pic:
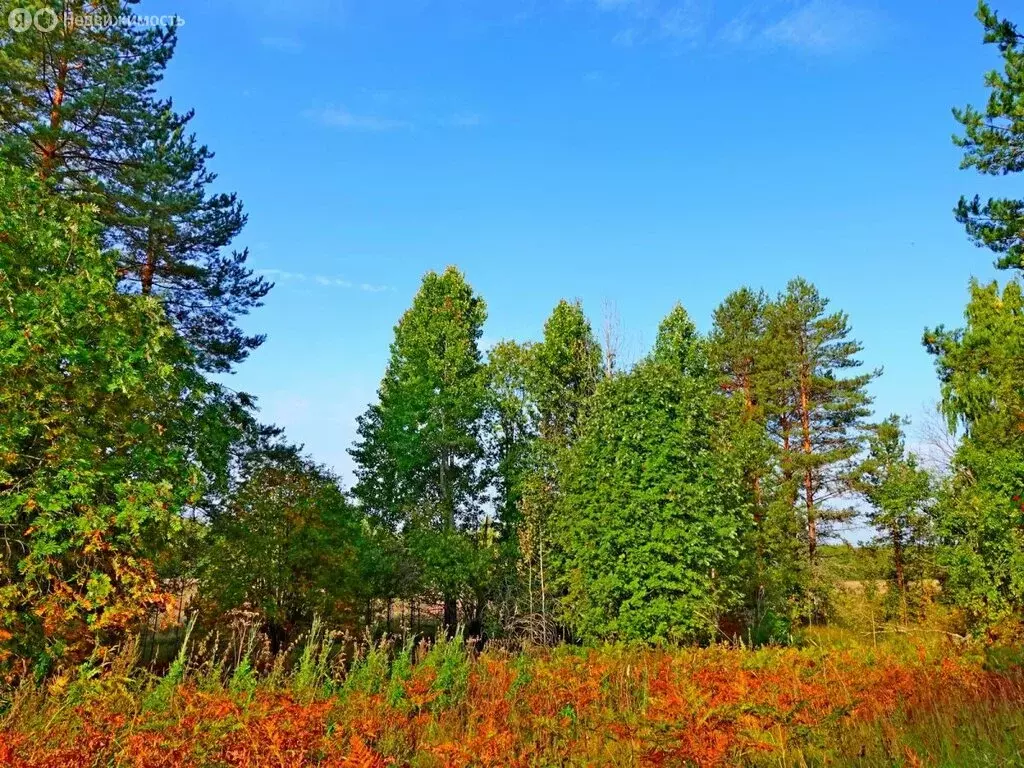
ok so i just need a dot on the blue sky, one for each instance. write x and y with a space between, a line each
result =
634 151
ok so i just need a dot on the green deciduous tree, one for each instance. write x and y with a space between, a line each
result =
979 522
288 546
512 428
652 517
993 143
563 371
420 453
96 393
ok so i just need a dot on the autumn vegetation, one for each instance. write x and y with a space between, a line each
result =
550 555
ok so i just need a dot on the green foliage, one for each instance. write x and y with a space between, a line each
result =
652 518
78 107
815 413
993 143
900 493
97 395
450 659
801 423
159 697
312 674
980 522
420 453
512 428
562 373
370 670
287 546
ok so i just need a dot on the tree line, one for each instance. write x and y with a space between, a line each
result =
537 489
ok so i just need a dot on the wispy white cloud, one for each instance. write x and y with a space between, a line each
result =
824 26
281 274
614 5
649 20
599 79
283 44
686 22
325 280
627 38
462 120
810 26
338 117
739 30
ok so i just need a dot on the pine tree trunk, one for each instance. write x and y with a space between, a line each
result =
49 149
805 424
148 272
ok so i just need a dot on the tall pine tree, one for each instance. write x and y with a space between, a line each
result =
78 107
742 359
816 407
993 143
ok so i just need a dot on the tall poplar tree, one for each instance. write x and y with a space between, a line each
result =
420 452
565 370
563 373
512 428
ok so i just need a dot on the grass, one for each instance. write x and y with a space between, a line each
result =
901 701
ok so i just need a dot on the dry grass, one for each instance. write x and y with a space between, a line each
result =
907 702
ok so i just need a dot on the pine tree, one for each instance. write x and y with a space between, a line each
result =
993 143
78 108
420 453
900 494
737 352
736 344
816 414
742 359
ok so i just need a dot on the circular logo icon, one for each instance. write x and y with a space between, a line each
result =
46 20
20 19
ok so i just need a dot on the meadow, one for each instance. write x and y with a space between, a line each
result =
703 533
840 699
